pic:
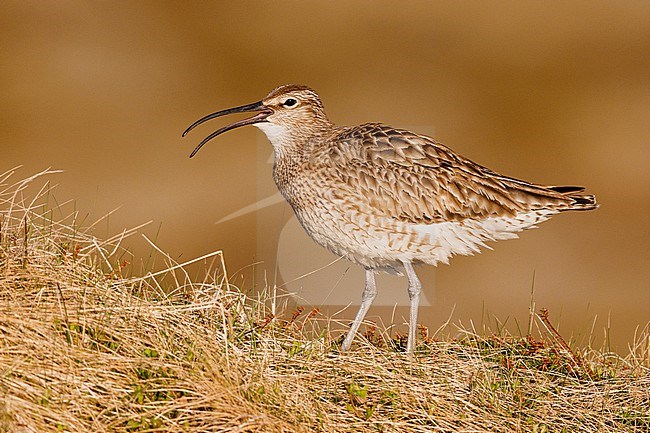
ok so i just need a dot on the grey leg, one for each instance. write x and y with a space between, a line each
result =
369 293
414 295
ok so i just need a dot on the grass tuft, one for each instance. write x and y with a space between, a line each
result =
85 348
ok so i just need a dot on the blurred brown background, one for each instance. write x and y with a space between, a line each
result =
553 92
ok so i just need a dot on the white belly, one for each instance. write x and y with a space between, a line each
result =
384 243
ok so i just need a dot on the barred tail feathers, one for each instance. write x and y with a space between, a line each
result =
580 201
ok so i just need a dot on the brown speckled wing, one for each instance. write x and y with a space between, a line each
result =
414 179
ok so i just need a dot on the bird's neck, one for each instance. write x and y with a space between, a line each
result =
295 143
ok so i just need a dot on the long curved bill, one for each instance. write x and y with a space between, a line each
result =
255 106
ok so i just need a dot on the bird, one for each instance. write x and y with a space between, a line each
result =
388 199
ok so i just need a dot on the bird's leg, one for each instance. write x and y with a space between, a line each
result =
369 293
414 295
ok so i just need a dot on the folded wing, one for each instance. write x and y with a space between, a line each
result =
412 178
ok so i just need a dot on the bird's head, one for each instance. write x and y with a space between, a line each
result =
290 114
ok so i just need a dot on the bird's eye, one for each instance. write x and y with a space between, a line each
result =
291 102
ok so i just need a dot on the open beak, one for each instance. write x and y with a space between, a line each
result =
263 113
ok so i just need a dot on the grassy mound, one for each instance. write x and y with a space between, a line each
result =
84 348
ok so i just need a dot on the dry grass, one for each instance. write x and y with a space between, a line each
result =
83 348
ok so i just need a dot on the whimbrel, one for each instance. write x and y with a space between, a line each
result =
386 198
